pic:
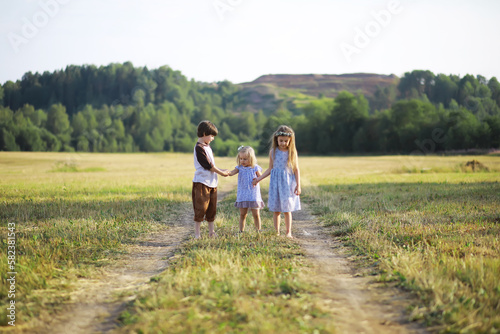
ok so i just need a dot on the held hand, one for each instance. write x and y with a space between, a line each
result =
297 190
255 181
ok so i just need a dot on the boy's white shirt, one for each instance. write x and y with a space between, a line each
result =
201 174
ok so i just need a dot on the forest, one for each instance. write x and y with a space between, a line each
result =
122 108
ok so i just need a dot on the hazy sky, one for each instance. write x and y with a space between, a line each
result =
240 40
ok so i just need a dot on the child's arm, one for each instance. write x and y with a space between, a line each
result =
222 172
233 172
206 163
266 173
298 189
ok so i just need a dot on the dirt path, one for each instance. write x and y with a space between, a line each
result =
97 303
359 305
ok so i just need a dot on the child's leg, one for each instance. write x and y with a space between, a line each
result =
256 219
197 229
201 195
288 224
211 229
211 211
276 221
243 218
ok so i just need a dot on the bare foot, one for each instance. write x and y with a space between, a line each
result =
213 235
289 236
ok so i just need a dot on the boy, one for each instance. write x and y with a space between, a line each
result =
205 179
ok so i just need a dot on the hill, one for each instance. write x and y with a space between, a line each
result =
269 92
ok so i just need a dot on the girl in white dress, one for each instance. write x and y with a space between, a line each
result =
284 187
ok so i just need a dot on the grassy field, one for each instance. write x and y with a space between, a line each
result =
236 283
426 223
75 212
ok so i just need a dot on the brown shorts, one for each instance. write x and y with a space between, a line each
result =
204 202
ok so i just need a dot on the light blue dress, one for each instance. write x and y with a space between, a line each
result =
247 195
282 197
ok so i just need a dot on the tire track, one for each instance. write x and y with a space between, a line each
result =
96 304
358 305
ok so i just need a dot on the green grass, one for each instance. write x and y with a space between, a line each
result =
249 283
67 224
424 223
436 234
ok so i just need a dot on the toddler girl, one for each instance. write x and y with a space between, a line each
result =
248 196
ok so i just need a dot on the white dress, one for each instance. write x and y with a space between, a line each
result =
282 197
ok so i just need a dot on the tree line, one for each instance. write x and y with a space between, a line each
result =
121 108
423 112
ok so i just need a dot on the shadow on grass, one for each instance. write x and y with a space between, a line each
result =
480 199
440 240
30 211
457 219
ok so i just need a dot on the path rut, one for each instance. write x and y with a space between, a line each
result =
96 304
358 304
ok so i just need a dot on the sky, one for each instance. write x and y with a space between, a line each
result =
240 40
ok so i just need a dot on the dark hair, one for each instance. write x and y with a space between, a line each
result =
206 128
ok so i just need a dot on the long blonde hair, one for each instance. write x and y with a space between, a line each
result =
284 130
249 152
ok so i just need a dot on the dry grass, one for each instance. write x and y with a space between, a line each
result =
250 283
433 233
423 222
73 212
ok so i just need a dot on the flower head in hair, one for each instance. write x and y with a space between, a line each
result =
240 148
281 133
